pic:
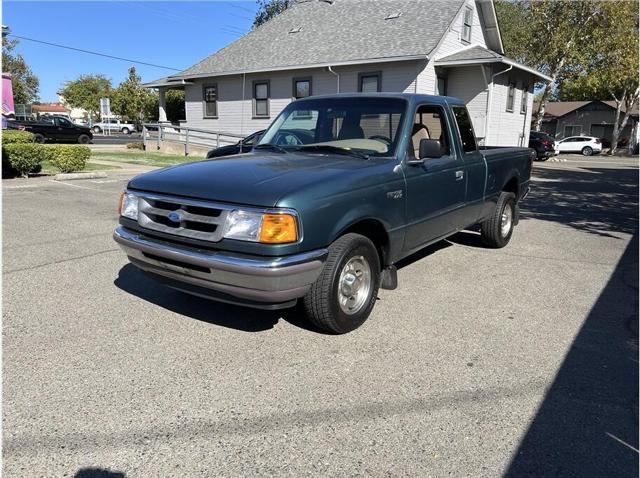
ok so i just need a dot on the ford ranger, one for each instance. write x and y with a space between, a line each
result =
360 182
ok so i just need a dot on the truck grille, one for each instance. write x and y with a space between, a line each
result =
182 217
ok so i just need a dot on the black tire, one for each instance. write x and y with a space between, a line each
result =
83 139
97 129
125 131
322 304
543 158
492 234
587 151
39 138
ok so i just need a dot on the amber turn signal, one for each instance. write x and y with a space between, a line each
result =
278 229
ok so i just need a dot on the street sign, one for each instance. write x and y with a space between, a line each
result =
105 107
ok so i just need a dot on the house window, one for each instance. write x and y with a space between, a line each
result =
511 96
210 95
466 25
369 82
261 99
572 130
301 87
525 99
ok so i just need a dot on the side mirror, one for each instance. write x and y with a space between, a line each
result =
430 149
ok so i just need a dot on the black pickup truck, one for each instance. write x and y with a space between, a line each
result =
55 129
376 178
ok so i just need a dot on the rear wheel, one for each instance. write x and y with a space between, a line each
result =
39 138
83 139
587 151
497 230
344 294
125 131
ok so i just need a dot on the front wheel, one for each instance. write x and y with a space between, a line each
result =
125 131
344 294
83 139
97 129
587 151
497 230
39 138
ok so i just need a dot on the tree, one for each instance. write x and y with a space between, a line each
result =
551 36
612 73
24 83
268 9
130 100
175 105
86 91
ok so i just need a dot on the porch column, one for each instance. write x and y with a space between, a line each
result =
162 105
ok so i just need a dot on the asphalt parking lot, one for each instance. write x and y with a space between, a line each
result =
512 362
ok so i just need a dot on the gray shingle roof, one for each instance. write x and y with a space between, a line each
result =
347 31
473 53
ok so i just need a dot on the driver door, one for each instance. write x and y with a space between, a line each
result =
435 188
64 130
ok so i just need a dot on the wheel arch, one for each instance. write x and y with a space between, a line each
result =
374 230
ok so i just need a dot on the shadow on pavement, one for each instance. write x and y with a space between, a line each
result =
587 424
133 281
594 200
98 473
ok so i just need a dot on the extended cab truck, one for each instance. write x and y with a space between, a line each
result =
379 177
55 128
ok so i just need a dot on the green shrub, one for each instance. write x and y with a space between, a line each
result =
19 159
138 145
14 136
68 158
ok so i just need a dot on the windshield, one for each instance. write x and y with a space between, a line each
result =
366 125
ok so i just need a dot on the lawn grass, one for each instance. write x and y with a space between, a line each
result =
146 158
49 168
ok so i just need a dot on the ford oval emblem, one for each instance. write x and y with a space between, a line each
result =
175 216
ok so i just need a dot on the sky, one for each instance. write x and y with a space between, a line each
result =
167 33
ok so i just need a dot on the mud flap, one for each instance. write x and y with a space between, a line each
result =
389 278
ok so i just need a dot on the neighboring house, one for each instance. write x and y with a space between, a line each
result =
592 118
50 109
77 115
448 47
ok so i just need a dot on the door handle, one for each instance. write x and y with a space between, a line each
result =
459 175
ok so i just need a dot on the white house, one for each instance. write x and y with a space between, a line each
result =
449 47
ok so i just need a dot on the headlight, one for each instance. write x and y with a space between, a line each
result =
258 227
129 206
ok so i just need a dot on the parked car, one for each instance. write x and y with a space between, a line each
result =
325 222
114 125
587 145
54 128
544 144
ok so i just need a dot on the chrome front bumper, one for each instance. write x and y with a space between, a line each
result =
224 275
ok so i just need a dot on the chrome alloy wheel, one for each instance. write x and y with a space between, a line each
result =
506 219
354 285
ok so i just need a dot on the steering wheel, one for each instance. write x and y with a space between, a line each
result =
288 138
383 138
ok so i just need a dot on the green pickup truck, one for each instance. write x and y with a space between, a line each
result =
360 182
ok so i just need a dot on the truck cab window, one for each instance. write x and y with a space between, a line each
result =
429 123
465 127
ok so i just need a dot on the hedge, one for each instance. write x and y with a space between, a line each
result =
139 145
68 158
19 159
14 136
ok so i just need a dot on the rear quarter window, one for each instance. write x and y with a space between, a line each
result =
466 129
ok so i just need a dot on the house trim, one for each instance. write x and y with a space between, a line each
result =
506 61
204 100
268 99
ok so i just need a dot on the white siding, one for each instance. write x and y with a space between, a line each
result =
468 84
510 128
236 116
451 43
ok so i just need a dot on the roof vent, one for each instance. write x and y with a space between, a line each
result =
392 16
295 30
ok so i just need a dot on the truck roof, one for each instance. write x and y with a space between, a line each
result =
411 97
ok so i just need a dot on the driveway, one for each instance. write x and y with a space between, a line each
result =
520 361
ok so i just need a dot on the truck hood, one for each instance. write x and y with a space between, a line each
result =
254 179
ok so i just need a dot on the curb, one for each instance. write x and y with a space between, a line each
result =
72 176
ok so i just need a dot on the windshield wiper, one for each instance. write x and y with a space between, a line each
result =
332 149
271 146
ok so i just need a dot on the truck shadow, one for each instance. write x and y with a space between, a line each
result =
133 281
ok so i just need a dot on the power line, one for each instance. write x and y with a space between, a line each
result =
93 52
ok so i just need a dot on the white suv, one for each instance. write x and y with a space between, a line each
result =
587 145
114 125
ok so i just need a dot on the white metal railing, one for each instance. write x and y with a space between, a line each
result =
159 132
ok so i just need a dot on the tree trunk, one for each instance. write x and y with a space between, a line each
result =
616 127
542 105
